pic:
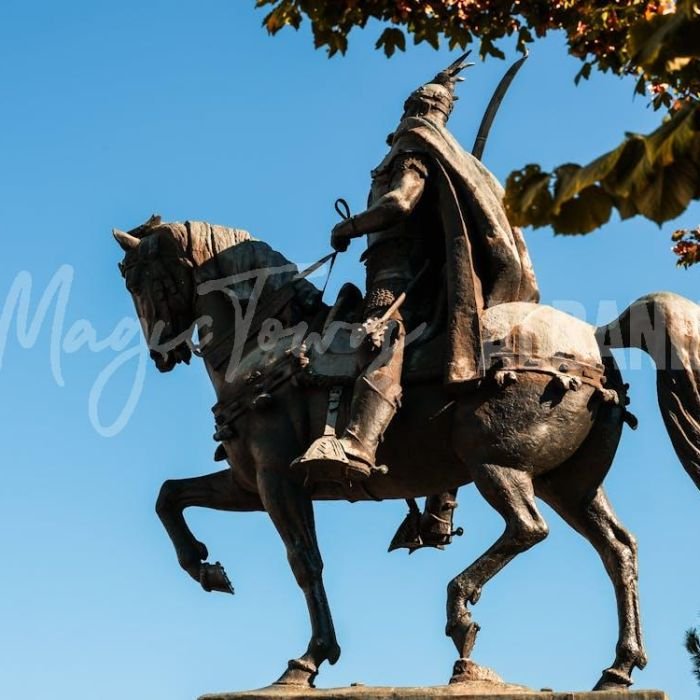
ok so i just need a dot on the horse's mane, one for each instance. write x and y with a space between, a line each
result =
223 253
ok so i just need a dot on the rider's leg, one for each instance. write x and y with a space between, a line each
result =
436 521
432 528
375 400
377 391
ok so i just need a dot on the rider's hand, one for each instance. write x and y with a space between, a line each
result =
340 237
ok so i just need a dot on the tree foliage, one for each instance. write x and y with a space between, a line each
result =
656 176
692 644
687 246
656 41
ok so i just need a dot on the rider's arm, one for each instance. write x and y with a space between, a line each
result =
406 189
407 185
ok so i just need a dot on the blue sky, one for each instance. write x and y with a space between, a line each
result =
112 111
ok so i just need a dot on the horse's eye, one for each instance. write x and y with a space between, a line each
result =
132 282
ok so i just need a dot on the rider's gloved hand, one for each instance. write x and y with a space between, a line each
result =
340 236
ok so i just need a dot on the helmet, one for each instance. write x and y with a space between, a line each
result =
439 92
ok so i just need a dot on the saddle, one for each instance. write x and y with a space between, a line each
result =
327 357
331 357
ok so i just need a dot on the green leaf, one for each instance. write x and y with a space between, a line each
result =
657 175
527 199
628 164
584 73
391 39
524 37
589 210
570 182
669 192
496 52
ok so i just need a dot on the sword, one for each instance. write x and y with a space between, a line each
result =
402 297
375 328
494 104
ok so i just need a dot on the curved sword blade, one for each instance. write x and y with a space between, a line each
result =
494 104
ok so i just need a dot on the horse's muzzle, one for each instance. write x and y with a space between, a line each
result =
166 361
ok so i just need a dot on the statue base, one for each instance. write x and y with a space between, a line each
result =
476 690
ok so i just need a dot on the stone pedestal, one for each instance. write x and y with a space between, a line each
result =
457 691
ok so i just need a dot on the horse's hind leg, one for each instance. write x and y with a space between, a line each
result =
218 491
594 518
510 492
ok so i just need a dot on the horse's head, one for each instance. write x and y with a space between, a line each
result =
159 276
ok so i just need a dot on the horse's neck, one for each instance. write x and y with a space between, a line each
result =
246 270
233 331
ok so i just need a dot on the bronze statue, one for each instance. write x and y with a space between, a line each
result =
423 193
518 398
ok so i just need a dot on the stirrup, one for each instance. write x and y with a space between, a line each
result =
413 535
326 460
408 533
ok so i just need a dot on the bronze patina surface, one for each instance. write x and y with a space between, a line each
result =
447 372
454 692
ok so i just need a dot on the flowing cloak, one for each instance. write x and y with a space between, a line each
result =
486 258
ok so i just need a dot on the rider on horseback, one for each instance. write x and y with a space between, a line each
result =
429 200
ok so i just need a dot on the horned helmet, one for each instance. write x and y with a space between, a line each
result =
438 94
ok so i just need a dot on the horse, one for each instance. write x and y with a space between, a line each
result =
542 422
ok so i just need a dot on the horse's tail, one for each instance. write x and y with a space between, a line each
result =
667 327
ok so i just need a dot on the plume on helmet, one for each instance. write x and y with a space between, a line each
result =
439 93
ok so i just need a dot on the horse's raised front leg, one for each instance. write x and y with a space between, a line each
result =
291 509
595 519
511 493
218 491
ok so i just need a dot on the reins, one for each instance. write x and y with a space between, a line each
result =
218 352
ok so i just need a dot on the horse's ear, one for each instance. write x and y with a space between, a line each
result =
153 221
125 240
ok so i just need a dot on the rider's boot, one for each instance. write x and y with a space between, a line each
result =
432 528
436 523
374 403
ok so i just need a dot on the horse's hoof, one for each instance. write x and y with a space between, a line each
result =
612 679
463 631
466 671
299 673
609 685
212 577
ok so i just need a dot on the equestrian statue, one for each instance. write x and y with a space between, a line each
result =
446 372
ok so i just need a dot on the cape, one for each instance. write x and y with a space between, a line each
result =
487 262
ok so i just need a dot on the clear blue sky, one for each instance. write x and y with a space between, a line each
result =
111 111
